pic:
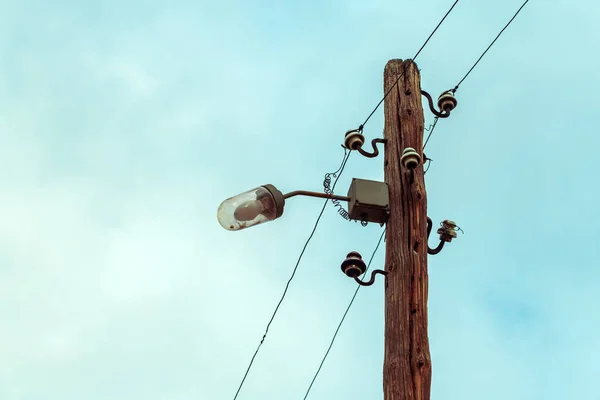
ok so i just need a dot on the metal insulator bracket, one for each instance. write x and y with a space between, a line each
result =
354 140
354 266
372 280
447 232
446 103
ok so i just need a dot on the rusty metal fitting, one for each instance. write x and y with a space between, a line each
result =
448 231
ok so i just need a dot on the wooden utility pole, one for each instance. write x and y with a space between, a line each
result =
407 365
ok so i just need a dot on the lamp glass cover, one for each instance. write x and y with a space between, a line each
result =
247 209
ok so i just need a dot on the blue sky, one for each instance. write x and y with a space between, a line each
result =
123 126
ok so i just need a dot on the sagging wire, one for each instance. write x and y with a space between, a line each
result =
343 318
338 174
489 47
360 128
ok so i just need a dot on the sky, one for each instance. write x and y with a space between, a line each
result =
124 125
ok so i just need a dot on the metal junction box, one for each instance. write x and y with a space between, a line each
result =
369 201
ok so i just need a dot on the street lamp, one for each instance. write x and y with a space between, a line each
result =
367 201
261 204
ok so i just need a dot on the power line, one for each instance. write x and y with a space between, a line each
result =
339 173
473 67
342 320
490 46
341 169
360 128
383 233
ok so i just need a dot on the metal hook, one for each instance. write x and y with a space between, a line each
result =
432 108
442 242
375 152
354 140
447 232
372 280
437 249
354 266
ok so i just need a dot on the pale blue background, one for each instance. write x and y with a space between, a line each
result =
124 124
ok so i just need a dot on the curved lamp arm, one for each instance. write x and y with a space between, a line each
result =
315 194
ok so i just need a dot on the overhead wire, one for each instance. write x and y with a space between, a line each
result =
490 46
431 130
383 233
341 169
339 173
473 67
343 318
360 128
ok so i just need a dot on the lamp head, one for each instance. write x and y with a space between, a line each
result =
261 204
